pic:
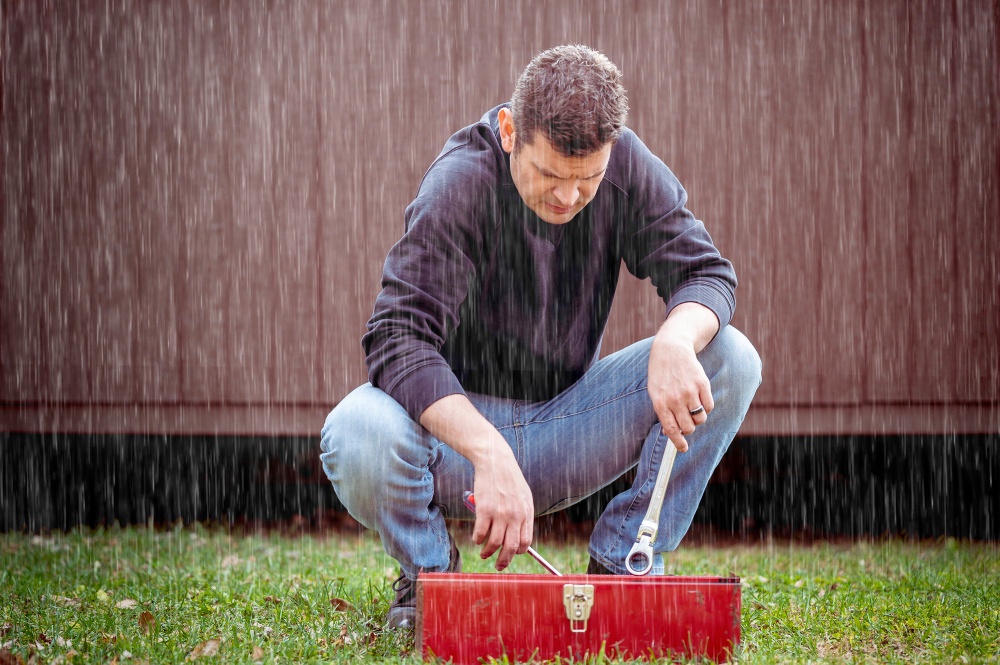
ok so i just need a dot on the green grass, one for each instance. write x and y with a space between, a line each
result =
160 596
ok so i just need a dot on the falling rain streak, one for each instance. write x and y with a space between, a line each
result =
197 199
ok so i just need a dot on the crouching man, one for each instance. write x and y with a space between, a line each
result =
483 346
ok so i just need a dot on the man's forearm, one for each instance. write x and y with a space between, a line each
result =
456 421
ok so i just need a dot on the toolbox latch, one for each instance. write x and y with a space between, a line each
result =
578 599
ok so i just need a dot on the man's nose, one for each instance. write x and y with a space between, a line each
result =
567 194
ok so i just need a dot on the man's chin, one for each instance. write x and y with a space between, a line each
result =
551 216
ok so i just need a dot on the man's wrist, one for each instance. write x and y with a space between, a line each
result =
486 452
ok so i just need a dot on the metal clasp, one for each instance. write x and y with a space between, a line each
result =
578 599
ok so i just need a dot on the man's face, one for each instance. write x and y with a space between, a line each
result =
553 186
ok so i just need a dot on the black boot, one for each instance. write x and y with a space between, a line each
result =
403 611
595 567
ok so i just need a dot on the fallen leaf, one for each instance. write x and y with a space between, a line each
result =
272 599
67 602
258 654
8 658
44 639
147 622
341 605
126 604
205 649
103 596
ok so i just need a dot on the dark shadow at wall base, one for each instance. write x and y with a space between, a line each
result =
918 487
56 481
910 486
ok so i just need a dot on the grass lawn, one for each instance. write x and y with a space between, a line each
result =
170 595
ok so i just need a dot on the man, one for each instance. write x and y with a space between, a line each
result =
483 345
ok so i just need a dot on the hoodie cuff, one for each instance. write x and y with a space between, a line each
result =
424 386
707 293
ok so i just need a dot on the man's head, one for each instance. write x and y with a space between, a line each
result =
568 109
574 97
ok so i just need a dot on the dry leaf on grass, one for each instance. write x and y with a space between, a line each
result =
341 605
126 604
205 649
258 654
147 622
8 658
272 599
67 602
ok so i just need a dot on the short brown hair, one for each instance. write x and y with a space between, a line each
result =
574 96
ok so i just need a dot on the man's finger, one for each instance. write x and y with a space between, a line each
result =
510 547
481 530
700 417
493 542
527 534
669 425
707 401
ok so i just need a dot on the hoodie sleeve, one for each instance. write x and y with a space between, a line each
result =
427 276
667 244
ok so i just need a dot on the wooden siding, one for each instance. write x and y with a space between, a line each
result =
197 196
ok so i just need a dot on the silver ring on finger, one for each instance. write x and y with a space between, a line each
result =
695 412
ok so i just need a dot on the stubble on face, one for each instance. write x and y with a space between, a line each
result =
553 186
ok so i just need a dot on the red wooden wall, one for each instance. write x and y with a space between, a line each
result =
197 196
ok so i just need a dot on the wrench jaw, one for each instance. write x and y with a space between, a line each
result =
640 558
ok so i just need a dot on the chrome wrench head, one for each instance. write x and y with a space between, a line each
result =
640 558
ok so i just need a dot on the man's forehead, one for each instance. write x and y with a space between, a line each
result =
551 162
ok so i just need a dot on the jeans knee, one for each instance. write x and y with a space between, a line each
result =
751 367
741 363
354 440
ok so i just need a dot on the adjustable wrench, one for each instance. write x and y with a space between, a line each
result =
640 557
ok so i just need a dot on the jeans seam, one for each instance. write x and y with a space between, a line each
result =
518 432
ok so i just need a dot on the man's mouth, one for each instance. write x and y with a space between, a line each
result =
558 210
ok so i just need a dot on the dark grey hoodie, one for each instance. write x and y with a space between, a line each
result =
481 295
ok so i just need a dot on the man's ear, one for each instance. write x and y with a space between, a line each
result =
507 133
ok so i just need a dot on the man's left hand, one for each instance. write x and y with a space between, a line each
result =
677 383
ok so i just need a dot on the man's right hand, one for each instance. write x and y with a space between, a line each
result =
505 510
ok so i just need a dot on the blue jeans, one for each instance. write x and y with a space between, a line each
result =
397 479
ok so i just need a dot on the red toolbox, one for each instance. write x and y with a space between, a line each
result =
466 617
